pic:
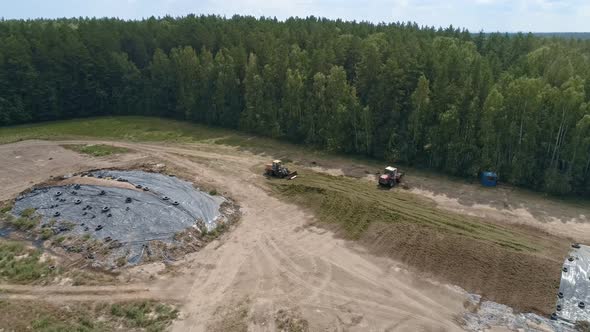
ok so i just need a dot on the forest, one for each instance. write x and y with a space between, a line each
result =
438 98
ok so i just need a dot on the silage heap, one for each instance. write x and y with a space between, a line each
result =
158 208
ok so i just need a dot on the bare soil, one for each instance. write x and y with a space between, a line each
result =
27 163
277 259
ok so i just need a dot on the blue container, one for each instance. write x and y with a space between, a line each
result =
489 179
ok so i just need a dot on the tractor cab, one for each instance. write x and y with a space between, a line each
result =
276 165
392 171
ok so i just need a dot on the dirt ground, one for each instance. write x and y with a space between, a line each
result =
32 162
273 259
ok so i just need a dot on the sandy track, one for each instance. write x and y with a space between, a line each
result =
272 259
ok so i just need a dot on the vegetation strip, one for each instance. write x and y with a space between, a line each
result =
96 150
89 317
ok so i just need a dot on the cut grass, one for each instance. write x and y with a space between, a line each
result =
87 317
354 205
98 150
21 264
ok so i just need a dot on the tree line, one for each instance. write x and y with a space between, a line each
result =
444 99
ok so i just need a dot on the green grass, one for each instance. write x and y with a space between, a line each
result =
21 264
148 129
149 315
6 206
96 150
27 220
59 240
28 213
353 205
46 233
86 317
127 128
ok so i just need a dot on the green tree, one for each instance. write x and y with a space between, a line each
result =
185 68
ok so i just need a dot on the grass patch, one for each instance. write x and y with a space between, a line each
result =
128 128
46 233
6 207
21 264
149 315
149 129
86 317
27 221
98 150
121 261
28 213
23 223
59 240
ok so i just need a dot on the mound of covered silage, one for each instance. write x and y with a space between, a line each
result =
573 298
131 217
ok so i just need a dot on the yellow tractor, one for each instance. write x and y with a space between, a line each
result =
277 170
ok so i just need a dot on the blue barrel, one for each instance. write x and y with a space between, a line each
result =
489 179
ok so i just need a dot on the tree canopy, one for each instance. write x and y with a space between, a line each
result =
444 99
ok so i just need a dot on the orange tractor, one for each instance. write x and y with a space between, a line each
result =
276 169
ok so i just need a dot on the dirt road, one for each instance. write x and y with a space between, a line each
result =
271 260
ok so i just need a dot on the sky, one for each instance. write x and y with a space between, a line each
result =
475 15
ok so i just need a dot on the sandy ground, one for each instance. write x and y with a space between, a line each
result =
271 260
27 163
